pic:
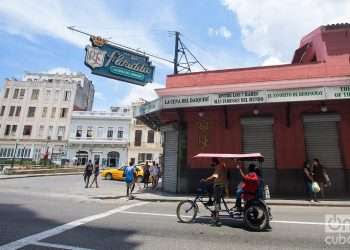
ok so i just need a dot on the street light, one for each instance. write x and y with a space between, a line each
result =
14 154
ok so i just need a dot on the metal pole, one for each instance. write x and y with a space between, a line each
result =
177 34
14 155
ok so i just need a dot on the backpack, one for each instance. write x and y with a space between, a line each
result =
89 167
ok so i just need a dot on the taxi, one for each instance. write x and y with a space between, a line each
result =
117 173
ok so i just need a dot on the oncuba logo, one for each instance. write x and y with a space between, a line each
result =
117 63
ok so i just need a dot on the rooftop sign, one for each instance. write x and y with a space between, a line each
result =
117 63
247 97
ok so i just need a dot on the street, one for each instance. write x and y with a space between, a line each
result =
58 213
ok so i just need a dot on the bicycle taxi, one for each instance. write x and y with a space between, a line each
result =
255 215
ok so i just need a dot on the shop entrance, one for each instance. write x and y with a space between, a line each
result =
257 136
82 157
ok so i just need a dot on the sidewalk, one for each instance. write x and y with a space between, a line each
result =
159 196
14 176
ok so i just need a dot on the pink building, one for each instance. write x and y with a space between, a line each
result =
290 113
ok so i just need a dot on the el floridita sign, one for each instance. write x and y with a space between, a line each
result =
114 62
247 97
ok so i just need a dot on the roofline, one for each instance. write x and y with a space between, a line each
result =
242 69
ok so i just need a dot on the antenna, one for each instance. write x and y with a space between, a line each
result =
181 58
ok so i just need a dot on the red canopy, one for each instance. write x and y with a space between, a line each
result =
251 156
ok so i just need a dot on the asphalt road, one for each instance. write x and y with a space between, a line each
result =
58 213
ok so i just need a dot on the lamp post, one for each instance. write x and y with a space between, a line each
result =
14 154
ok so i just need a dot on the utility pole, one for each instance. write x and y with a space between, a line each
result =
176 63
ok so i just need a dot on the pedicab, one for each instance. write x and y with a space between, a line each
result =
255 213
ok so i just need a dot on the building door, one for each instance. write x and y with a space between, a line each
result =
257 137
113 159
322 139
170 161
82 157
97 159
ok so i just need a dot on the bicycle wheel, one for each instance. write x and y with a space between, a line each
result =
186 211
256 217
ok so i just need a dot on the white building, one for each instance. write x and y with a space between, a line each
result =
35 114
145 143
100 136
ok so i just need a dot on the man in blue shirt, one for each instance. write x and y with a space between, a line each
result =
130 173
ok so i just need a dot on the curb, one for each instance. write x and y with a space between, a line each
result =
37 175
268 203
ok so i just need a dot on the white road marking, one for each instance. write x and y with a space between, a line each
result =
44 244
229 218
32 239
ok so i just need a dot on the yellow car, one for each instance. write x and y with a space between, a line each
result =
117 173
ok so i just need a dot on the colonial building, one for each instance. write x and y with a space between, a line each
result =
145 143
100 136
35 114
290 113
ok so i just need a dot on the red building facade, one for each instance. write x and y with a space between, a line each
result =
290 113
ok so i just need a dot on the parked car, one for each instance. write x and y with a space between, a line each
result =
117 173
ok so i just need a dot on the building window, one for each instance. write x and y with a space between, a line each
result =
141 157
149 157
27 130
63 112
67 94
14 130
7 130
150 136
50 132
99 132
43 114
60 132
12 111
15 93
31 112
53 112
48 95
41 130
35 94
18 110
7 91
89 132
120 133
57 93
110 133
138 137
22 93
2 111
79 132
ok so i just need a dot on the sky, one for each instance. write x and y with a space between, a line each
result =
220 33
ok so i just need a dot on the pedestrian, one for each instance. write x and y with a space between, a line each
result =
96 174
146 174
320 176
87 173
308 179
151 170
156 176
130 173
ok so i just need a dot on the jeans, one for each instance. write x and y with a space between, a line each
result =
239 193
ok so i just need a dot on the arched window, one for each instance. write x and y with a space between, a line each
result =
113 159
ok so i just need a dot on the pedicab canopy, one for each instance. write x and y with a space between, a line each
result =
251 156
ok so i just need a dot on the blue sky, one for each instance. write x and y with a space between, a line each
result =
221 34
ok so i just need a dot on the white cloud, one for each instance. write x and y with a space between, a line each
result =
146 92
222 31
272 61
59 70
51 18
274 28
